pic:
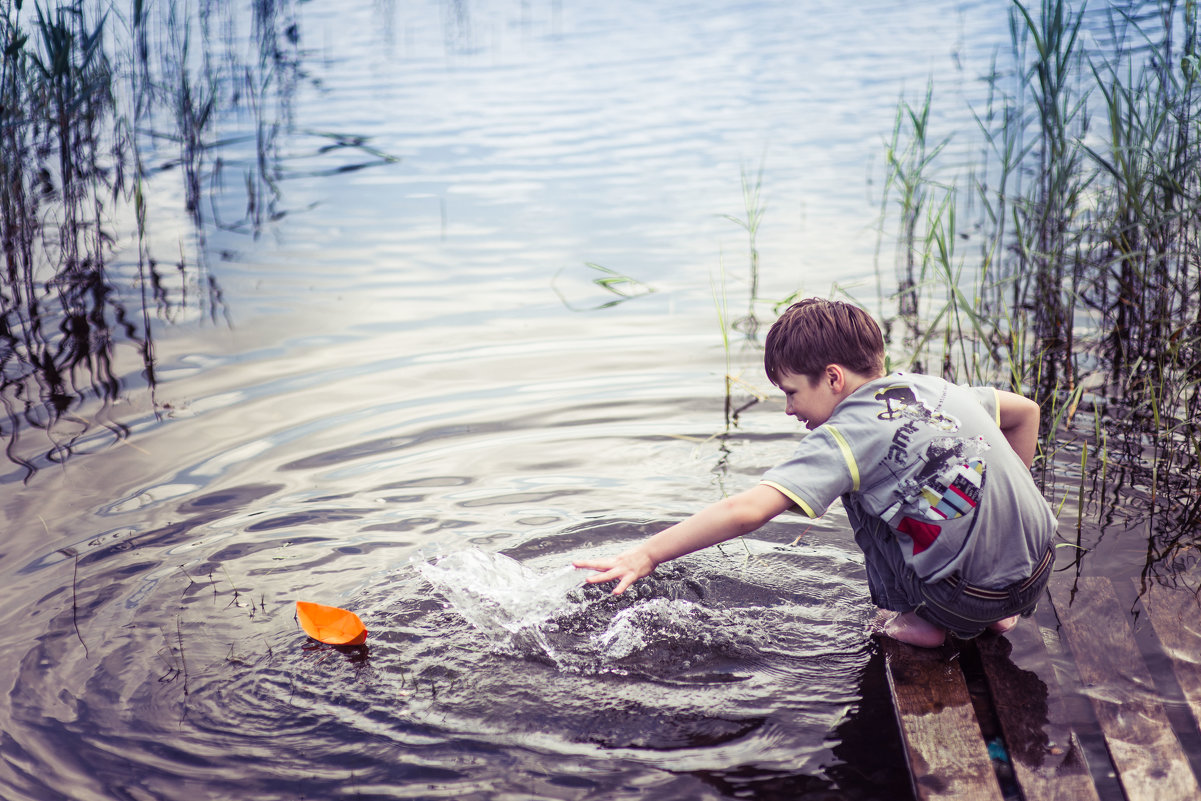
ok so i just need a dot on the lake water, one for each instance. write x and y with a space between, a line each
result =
379 340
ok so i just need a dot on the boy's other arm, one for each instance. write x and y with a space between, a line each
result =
728 518
1018 417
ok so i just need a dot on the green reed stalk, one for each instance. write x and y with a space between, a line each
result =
1049 215
753 210
720 303
909 157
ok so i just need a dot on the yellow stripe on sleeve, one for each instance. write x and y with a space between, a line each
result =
804 507
996 403
846 455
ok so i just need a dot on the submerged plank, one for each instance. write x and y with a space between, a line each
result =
1150 761
1175 614
1047 760
947 755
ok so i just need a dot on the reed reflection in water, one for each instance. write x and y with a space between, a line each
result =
93 99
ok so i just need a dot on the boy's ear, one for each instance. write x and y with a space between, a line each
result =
835 376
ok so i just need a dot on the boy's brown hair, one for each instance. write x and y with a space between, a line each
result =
813 333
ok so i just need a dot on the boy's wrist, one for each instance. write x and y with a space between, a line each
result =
644 553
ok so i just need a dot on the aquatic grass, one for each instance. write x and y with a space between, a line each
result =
908 158
753 210
748 326
732 409
1085 291
1149 297
623 287
1086 288
720 302
994 315
59 308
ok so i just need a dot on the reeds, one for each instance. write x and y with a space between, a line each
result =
753 209
1084 290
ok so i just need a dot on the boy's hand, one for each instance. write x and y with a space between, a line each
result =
730 517
626 568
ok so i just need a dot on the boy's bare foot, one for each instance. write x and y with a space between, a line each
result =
1002 626
908 627
882 618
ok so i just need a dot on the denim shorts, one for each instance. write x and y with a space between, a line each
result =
951 604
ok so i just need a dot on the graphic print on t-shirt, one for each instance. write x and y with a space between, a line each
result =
955 493
946 484
901 400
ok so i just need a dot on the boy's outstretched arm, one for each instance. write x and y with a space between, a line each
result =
1019 423
729 517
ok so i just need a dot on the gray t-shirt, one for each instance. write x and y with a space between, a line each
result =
928 458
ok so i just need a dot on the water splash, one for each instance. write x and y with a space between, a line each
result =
498 594
659 628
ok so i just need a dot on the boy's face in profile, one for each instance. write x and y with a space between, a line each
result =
811 401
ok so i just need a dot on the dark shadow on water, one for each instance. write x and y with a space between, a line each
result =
869 762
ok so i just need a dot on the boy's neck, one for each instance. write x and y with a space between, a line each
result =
851 381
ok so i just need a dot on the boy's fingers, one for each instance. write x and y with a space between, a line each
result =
608 572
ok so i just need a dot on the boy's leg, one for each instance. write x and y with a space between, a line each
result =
967 614
872 536
884 565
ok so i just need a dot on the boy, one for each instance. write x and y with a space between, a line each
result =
934 477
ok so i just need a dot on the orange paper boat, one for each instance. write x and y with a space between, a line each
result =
330 625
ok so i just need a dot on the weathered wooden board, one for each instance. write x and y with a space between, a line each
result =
1047 759
1150 761
1175 614
947 755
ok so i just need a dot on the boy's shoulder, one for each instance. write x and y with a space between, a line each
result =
915 397
931 388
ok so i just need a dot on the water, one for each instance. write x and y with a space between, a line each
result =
722 661
668 626
385 378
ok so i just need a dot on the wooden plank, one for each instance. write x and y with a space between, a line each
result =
1047 760
1175 614
939 730
1150 761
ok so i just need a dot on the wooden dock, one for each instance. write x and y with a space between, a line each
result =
1009 735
